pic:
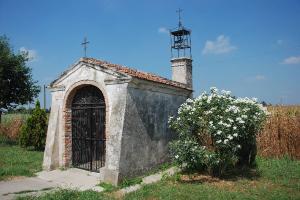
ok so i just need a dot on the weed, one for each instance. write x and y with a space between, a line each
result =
108 187
130 182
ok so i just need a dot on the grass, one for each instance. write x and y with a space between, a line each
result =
17 161
67 195
108 187
273 179
130 182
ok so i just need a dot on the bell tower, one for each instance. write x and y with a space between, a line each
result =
181 54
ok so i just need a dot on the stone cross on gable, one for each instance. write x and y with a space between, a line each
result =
84 44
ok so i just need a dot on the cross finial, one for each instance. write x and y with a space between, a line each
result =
179 17
84 44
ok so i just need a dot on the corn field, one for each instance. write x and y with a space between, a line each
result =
281 134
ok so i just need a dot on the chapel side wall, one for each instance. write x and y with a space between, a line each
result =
145 132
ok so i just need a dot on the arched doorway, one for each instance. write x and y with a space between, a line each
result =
88 128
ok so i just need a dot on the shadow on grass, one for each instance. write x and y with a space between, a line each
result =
246 173
5 141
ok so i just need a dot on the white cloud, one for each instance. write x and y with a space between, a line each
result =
260 77
220 46
31 54
163 30
292 60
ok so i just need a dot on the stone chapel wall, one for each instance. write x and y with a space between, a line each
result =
145 132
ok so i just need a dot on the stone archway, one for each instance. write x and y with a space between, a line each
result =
88 128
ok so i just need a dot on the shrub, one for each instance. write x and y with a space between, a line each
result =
216 131
33 132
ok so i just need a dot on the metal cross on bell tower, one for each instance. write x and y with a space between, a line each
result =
84 44
179 17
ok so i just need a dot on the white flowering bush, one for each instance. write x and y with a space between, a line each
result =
216 131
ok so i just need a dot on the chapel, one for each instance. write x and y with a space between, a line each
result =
113 119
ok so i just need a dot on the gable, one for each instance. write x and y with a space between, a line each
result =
82 70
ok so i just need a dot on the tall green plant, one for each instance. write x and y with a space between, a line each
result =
33 132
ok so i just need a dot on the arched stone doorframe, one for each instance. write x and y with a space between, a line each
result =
67 116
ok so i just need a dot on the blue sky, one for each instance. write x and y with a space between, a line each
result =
249 47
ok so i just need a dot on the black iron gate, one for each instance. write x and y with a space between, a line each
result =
88 129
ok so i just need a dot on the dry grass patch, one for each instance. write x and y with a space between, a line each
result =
281 134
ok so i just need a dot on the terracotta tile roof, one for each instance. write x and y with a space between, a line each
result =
135 73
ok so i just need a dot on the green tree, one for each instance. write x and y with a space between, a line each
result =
16 83
33 132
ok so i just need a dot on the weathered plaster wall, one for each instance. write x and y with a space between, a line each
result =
145 133
53 153
58 150
117 93
182 70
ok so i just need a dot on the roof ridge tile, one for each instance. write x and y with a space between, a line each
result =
135 72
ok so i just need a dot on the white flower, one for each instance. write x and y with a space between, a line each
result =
189 100
233 109
176 156
229 137
234 128
225 141
218 141
244 116
238 146
170 119
227 125
211 123
246 109
214 90
254 99
219 132
225 92
207 112
209 99
235 134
